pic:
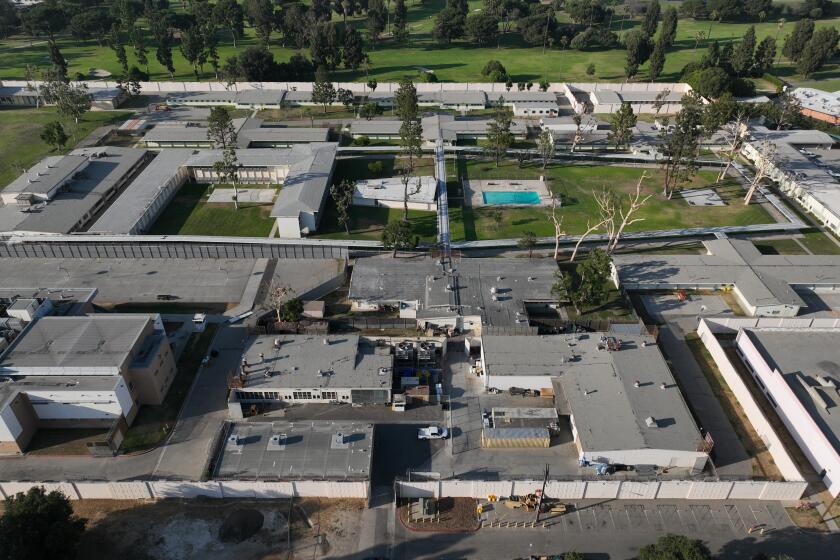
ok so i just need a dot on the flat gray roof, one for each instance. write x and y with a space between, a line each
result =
249 131
801 355
130 207
306 185
818 100
308 361
80 196
45 175
303 451
423 280
88 341
449 125
609 412
762 279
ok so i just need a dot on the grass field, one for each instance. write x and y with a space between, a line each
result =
456 62
20 142
366 222
190 214
575 184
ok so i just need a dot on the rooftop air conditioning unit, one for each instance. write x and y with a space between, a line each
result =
651 422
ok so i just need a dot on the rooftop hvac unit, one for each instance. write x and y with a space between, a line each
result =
493 290
277 342
384 370
234 439
275 439
495 297
651 422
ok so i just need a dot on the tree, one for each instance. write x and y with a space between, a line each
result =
411 137
495 71
625 212
676 547
657 59
377 16
291 310
818 51
323 92
527 242
54 135
765 54
45 19
400 25
499 136
743 56
192 47
497 217
279 294
545 146
735 132
354 53
163 54
590 69
260 14
370 110
8 18
141 52
573 555
799 37
681 147
256 64
90 23
764 161
621 126
589 285
669 26
346 98
229 14
396 235
71 101
651 20
481 28
371 84
58 61
588 12
556 220
342 195
39 526
222 135
638 51
784 109
449 25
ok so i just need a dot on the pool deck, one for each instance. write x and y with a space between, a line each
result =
474 189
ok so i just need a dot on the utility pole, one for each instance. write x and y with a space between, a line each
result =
541 496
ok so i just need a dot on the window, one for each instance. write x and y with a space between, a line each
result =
329 395
772 401
302 395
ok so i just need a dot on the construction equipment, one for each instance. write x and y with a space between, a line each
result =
527 502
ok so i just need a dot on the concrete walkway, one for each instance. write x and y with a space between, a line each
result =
730 457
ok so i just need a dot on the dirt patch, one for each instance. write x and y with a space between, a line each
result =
807 518
453 514
241 525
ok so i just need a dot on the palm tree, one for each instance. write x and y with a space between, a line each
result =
697 38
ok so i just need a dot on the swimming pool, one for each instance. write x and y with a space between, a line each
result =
510 197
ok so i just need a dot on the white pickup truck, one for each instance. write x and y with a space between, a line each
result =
432 432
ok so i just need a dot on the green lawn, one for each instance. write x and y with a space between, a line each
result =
20 142
575 184
367 222
456 62
779 247
154 422
820 243
190 214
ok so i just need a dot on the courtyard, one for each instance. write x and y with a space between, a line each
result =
575 184
195 211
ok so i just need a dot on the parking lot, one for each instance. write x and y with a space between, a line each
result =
680 517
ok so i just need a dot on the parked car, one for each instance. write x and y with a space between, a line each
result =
432 432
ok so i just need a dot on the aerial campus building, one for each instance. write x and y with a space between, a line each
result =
452 129
801 174
616 389
818 104
63 194
81 372
764 285
796 368
304 170
476 294
308 368
390 192
250 133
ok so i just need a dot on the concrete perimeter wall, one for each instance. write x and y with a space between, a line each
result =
607 489
785 463
140 490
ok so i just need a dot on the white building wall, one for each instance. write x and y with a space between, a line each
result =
10 428
68 405
660 457
810 438
505 382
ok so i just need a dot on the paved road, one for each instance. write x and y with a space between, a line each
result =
185 453
730 457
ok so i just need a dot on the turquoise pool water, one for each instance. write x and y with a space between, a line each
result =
510 197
